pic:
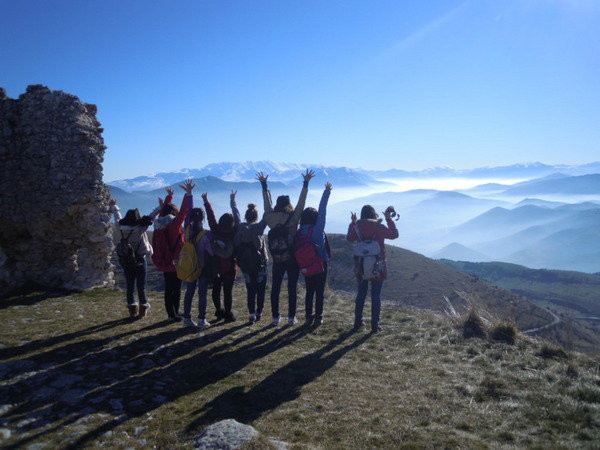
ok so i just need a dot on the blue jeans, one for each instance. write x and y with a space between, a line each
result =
293 272
136 277
363 287
190 288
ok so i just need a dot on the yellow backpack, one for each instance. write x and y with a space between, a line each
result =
188 268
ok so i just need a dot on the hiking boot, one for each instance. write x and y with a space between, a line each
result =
275 321
258 316
203 323
376 329
133 311
309 321
144 307
358 325
219 314
229 317
187 322
318 321
175 319
292 320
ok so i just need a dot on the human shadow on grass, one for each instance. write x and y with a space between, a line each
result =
281 387
127 380
189 375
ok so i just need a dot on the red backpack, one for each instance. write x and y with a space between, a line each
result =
306 254
165 253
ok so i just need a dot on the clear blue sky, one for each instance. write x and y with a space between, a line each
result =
374 84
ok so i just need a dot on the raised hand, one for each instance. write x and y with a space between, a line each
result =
353 217
261 177
188 187
204 196
170 190
308 175
328 186
232 195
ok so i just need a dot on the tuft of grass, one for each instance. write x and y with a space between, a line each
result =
504 332
550 351
473 325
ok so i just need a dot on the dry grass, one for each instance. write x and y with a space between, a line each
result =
75 374
504 332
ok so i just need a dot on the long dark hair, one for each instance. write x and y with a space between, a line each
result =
195 216
167 209
309 216
132 219
283 204
226 222
251 215
368 212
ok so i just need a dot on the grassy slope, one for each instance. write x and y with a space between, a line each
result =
569 294
73 372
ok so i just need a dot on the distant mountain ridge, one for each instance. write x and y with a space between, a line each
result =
287 172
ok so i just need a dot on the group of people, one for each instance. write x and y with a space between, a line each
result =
199 258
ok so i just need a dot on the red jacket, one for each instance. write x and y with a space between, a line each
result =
167 238
370 228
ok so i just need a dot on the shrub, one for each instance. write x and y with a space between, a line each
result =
504 332
473 326
550 351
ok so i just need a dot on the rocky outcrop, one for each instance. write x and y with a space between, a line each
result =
229 434
54 225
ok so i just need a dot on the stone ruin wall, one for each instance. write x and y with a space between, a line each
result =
54 225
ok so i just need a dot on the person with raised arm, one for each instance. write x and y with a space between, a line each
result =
132 250
282 220
370 265
223 233
167 241
251 255
312 254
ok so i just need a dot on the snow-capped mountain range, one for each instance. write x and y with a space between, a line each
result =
342 176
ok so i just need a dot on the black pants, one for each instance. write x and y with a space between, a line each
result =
136 277
256 286
315 287
293 272
172 293
227 284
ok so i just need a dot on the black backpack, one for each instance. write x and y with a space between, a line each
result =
249 258
127 255
279 242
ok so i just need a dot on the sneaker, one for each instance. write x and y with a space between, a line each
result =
258 316
143 310
187 322
275 321
318 321
252 318
376 329
133 311
309 321
203 323
229 317
175 319
292 320
219 314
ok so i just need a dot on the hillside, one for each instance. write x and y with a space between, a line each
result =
76 374
573 296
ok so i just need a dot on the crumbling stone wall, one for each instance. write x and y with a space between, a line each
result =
54 225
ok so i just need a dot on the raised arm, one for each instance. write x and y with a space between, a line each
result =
188 187
234 210
268 205
351 234
320 225
114 210
210 214
307 176
391 232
